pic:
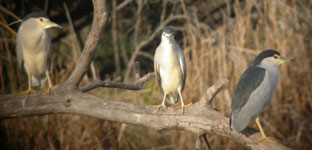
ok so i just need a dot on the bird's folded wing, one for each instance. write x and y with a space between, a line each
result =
183 68
19 53
248 82
158 77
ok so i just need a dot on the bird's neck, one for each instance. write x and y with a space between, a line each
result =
35 37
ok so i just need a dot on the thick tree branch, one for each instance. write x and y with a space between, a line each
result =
100 18
198 121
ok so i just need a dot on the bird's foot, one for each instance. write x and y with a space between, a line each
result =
183 106
27 92
49 89
269 139
158 106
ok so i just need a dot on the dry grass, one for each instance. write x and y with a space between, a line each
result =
212 53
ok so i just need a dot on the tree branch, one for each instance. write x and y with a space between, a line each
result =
137 86
100 18
197 121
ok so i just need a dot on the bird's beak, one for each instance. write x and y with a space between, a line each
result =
50 24
168 36
285 59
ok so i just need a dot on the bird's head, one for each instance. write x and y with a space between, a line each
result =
40 19
167 34
271 57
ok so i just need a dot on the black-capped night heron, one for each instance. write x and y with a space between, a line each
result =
254 90
33 48
170 69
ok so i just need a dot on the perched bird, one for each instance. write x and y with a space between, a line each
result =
255 89
33 49
170 69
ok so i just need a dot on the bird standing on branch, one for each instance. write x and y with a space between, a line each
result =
33 49
255 89
170 69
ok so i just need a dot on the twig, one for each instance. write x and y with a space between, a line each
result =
137 86
9 13
115 37
206 141
75 42
146 54
198 145
123 4
8 28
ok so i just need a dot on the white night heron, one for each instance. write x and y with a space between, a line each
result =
254 91
33 48
170 69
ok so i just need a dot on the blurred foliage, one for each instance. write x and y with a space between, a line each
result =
219 39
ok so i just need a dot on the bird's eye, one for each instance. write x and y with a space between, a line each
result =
274 56
41 19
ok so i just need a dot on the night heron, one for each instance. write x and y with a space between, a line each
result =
170 69
254 90
33 48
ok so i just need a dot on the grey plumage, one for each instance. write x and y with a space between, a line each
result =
255 88
170 68
33 47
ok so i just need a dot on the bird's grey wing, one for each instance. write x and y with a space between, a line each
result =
19 53
183 66
158 77
157 56
49 47
248 82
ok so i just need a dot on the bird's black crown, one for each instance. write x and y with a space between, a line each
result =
168 30
265 54
35 15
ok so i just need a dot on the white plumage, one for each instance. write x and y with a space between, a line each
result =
170 68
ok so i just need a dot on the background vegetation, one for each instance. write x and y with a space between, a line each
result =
219 39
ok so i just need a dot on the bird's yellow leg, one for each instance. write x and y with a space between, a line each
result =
269 139
50 83
182 103
162 104
29 90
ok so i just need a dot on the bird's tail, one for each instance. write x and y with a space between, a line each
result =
173 98
230 123
38 82
34 81
42 83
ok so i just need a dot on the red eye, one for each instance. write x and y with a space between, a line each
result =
41 19
274 57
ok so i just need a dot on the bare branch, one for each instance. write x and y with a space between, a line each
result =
197 121
9 13
115 37
211 92
75 42
100 18
123 4
137 86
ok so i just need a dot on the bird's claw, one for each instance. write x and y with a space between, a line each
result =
158 106
49 89
183 106
269 139
27 92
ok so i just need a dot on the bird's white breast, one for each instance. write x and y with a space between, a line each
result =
169 67
35 47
